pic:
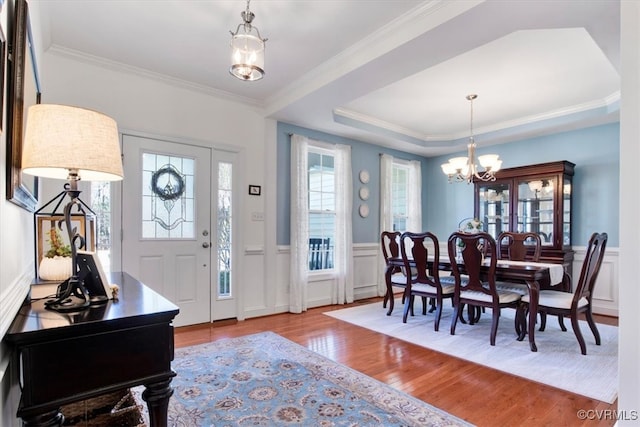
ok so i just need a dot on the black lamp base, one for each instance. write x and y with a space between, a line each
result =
71 296
69 305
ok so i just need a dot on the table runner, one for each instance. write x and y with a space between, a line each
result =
556 271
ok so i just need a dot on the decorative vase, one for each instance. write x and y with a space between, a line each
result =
470 225
56 268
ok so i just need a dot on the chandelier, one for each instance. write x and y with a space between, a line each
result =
247 49
460 169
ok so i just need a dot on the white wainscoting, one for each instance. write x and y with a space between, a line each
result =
366 268
12 300
605 293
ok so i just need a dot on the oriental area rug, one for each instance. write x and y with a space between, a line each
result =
558 361
266 380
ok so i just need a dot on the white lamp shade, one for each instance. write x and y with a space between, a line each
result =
459 163
60 138
448 169
488 160
247 57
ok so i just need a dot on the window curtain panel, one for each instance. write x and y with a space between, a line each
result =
414 203
343 263
386 218
343 245
299 236
414 199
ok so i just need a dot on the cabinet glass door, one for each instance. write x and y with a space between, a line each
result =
566 213
494 208
536 207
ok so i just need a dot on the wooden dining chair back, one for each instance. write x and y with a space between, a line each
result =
573 304
479 287
390 245
421 253
519 246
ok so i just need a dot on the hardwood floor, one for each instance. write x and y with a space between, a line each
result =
435 378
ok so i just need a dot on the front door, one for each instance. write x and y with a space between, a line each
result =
167 223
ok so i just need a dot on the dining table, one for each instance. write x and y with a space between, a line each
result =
536 275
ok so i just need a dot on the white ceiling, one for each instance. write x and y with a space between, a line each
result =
391 72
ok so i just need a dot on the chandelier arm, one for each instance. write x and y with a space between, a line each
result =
237 30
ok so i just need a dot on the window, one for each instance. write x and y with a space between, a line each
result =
101 205
322 208
225 174
399 196
168 197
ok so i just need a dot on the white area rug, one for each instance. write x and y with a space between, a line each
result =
558 361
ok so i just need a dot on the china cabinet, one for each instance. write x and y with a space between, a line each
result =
534 198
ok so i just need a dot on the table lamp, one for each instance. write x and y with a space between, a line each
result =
65 142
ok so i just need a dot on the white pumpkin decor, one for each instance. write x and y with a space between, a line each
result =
56 264
56 268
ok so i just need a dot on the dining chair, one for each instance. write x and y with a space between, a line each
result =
415 248
390 243
572 304
512 246
479 289
526 246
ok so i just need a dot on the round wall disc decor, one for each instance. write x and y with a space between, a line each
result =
364 210
364 176
364 193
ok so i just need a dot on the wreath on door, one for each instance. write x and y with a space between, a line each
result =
167 183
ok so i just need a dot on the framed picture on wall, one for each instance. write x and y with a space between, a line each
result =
3 64
254 190
23 91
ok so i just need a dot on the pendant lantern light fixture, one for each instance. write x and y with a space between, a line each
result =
247 49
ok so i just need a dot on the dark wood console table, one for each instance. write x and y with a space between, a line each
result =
68 357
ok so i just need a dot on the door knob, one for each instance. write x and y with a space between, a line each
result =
206 244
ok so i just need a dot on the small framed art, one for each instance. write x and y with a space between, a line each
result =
255 190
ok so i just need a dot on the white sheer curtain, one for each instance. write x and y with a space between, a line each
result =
343 263
386 179
414 197
386 216
343 241
299 254
414 202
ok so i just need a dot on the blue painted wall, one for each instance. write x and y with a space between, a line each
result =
596 154
363 156
595 151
